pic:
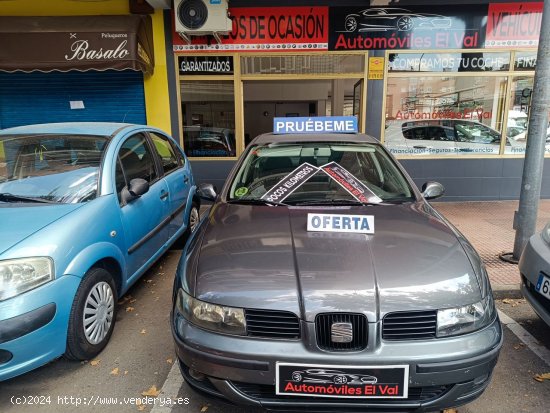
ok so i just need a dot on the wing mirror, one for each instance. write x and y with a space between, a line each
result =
432 190
207 192
137 188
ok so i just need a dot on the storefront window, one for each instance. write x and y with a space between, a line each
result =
444 115
208 113
302 64
518 116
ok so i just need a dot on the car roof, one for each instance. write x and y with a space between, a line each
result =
76 128
314 137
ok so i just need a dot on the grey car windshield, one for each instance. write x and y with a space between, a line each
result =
50 168
319 171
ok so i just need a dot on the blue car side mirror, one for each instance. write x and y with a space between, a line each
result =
137 188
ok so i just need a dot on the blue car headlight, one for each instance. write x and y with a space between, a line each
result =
462 320
24 274
223 319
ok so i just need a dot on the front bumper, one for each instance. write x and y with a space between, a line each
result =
442 372
33 326
534 261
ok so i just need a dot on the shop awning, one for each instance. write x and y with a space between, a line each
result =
76 43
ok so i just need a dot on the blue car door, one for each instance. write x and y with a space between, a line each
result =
143 219
178 180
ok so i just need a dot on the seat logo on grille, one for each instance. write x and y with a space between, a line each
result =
341 332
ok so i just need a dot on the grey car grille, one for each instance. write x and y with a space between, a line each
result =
323 323
414 325
272 324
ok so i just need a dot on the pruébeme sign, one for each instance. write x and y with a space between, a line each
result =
321 124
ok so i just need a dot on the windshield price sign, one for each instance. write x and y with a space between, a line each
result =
290 183
327 124
350 183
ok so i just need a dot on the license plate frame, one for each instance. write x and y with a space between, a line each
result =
542 283
346 381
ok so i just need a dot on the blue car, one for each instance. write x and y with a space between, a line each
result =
85 210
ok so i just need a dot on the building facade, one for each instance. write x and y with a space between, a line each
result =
446 87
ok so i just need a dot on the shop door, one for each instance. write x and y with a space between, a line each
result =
98 96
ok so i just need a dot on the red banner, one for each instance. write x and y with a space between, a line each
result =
513 24
267 29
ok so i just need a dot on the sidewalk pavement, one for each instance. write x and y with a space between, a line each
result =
488 226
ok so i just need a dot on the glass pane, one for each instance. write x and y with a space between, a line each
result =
449 62
444 115
166 152
268 166
518 116
208 111
51 167
525 61
265 100
297 65
137 160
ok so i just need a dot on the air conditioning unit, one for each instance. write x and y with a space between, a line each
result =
201 17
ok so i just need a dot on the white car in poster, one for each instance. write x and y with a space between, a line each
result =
443 137
403 20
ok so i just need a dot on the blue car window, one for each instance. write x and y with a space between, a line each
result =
165 152
53 167
137 159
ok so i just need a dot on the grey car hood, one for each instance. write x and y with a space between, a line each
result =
264 257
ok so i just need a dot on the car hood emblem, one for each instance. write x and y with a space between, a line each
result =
341 332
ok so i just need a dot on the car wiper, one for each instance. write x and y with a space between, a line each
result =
398 200
7 197
255 201
333 201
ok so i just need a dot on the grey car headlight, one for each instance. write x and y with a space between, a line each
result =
24 274
545 234
462 320
228 320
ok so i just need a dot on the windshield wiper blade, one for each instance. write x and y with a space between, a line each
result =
255 201
333 201
399 200
7 197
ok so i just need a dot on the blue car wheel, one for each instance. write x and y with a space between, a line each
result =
92 316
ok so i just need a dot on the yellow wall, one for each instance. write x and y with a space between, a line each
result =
156 86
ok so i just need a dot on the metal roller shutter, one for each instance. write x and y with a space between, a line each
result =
107 96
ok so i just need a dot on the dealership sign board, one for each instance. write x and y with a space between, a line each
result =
267 29
513 24
418 27
436 27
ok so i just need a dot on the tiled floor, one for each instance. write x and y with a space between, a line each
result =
488 226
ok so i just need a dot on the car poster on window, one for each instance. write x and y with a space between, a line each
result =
413 27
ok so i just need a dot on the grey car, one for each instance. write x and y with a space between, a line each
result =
534 266
320 255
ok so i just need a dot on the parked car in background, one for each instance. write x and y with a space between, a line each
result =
444 136
207 141
323 280
534 267
86 209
